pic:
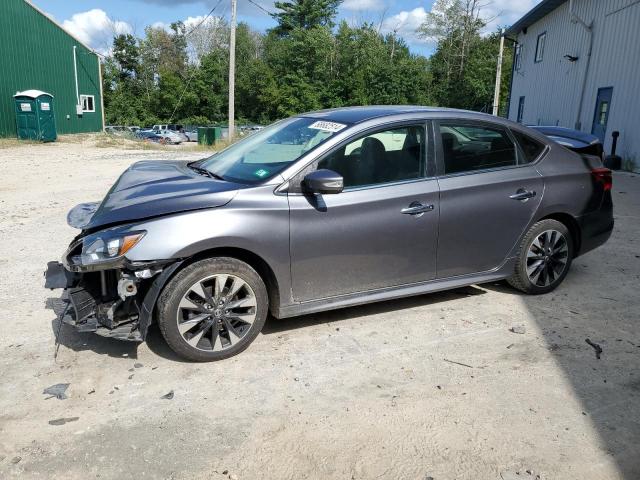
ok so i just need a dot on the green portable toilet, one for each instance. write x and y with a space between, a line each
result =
34 116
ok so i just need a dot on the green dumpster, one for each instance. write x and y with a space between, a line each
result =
209 135
34 116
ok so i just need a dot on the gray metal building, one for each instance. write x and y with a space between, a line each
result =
577 65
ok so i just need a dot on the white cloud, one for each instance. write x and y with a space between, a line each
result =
363 5
406 23
96 29
497 13
503 13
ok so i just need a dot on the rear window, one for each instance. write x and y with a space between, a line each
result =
530 147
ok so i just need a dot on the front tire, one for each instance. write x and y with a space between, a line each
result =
544 258
213 309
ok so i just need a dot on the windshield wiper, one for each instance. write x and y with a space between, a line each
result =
204 171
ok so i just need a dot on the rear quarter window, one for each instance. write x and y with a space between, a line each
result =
530 147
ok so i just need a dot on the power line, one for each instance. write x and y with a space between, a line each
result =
203 20
262 8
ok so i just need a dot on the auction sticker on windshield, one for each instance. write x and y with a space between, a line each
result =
261 173
327 126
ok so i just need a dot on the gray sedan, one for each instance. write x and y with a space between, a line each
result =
327 210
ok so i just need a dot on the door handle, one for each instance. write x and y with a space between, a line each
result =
523 195
416 208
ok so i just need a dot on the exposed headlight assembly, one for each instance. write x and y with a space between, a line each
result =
104 247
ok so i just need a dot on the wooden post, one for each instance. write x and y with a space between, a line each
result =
232 71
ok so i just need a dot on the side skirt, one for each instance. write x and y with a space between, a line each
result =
362 298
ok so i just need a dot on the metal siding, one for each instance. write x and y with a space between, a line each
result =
552 87
35 53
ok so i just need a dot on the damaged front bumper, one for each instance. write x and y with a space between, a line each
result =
116 302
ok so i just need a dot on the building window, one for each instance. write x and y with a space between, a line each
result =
520 109
88 103
540 47
518 59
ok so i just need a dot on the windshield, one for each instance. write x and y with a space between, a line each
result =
270 150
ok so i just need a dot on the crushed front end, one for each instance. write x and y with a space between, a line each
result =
105 292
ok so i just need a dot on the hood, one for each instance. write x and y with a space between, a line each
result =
150 189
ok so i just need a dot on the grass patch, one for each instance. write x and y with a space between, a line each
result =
14 142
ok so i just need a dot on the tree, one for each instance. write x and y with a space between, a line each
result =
464 63
305 14
455 25
126 55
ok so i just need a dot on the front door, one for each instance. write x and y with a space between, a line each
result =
488 196
601 116
381 231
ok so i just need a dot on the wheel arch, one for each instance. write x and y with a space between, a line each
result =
252 259
571 223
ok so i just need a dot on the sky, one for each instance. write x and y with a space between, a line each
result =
95 21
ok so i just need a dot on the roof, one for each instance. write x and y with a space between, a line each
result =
32 94
361 114
544 8
44 14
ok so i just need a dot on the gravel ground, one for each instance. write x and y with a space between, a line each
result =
432 386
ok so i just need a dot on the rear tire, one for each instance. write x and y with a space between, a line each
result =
213 309
544 258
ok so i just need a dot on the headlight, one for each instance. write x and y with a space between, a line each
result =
105 246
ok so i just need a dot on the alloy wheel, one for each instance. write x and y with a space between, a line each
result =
547 258
216 312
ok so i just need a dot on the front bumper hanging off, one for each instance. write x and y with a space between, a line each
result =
112 303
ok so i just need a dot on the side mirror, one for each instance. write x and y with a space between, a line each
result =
323 181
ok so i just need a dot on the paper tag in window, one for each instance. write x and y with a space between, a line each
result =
327 126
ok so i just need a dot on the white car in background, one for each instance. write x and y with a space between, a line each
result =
172 137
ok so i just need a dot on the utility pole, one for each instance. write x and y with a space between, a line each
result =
232 71
496 93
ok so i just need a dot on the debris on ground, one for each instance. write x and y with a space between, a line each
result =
58 390
16 460
518 329
138 365
168 396
458 363
93 390
596 347
62 421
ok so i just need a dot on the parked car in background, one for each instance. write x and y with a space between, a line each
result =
149 136
191 134
327 210
172 137
579 142
171 126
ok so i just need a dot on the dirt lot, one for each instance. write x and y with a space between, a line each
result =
363 393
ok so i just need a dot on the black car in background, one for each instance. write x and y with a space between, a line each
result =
579 142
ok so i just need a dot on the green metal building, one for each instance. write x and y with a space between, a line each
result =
38 54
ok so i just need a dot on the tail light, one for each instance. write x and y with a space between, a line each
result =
603 176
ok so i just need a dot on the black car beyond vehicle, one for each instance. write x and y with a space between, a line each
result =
580 142
326 210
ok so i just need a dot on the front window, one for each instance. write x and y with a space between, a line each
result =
270 150
386 156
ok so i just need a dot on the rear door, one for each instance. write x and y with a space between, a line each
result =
489 192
